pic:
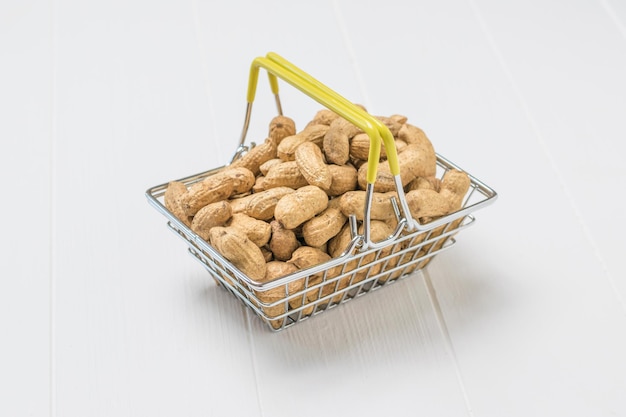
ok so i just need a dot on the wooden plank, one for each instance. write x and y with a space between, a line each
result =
578 306
526 296
616 12
26 105
379 355
141 328
574 95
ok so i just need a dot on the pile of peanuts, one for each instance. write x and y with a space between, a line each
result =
284 205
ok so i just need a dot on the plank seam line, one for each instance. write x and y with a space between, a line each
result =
544 146
52 200
597 253
432 296
253 358
204 67
351 53
614 17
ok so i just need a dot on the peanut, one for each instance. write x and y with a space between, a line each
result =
415 161
336 143
267 254
265 166
255 157
217 187
283 242
209 216
259 185
412 249
353 203
315 134
303 204
425 203
286 174
334 203
261 205
257 231
344 179
340 242
360 147
235 246
357 163
400 146
438 244
431 183
320 229
280 128
399 118
454 186
239 203
310 161
241 179
287 149
414 135
278 269
378 232
312 133
306 257
275 270
324 117
393 123
172 199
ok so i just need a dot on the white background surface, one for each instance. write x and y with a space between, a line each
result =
103 313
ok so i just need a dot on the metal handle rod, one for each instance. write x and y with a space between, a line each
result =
387 136
343 108
327 97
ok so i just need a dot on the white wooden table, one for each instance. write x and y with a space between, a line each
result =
103 312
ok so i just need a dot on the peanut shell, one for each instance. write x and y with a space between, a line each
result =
173 201
235 246
310 161
303 204
209 216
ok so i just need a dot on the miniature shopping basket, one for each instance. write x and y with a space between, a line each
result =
365 265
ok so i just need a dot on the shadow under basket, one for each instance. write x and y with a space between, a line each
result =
293 298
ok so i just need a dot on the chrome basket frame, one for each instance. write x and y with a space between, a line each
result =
285 301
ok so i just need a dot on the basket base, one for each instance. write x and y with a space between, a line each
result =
329 287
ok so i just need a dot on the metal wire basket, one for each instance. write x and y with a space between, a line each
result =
365 266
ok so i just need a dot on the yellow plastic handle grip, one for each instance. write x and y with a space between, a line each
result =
334 102
253 80
387 136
